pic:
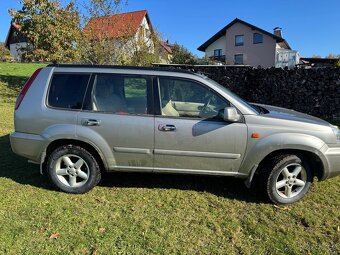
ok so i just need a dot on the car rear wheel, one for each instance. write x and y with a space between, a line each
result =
73 169
286 179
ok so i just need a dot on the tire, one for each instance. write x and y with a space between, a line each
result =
73 169
286 179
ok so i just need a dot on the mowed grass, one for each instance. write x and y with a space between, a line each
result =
151 214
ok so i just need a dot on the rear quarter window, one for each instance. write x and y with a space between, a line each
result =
67 90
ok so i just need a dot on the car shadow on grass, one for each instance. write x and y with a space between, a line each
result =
228 187
14 82
17 169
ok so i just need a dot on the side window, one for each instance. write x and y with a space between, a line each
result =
67 90
184 98
120 94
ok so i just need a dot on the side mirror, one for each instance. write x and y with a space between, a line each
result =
231 114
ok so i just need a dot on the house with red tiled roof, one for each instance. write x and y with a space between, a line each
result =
165 52
132 26
121 25
15 41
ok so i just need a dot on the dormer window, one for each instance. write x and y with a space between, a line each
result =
239 40
257 38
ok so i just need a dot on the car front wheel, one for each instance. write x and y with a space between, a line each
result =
287 178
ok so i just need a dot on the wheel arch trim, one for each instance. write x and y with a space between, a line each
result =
288 142
64 134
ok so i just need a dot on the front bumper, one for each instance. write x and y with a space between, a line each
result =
27 145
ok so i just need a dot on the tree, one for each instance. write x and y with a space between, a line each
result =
316 56
4 53
53 31
99 46
331 56
181 55
338 62
96 46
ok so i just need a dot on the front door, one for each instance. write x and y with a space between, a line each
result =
118 108
190 133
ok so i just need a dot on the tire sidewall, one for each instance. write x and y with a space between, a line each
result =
80 152
277 168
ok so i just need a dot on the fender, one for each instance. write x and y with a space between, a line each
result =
281 141
93 138
59 131
80 133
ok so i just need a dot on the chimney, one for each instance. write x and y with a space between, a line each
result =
278 31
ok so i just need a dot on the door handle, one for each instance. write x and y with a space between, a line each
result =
90 122
166 127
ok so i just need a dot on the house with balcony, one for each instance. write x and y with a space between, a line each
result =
241 43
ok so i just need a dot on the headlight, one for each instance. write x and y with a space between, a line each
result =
336 132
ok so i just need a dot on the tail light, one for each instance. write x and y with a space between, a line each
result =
26 87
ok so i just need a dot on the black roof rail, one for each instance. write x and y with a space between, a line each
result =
123 67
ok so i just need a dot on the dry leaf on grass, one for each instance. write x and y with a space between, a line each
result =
285 208
54 236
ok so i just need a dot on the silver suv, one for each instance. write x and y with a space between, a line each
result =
76 121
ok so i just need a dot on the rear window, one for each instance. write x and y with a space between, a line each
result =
67 90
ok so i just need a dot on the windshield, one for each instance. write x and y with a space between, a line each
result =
242 101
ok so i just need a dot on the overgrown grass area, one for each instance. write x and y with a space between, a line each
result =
151 214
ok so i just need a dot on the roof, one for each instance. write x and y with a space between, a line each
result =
118 25
223 32
321 60
122 67
13 26
167 46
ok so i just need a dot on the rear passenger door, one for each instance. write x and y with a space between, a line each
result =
119 109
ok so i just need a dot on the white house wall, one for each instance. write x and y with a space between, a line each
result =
147 34
286 58
220 43
15 49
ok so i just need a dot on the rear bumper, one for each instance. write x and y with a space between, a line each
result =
333 158
27 145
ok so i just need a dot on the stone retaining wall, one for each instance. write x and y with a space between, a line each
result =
312 91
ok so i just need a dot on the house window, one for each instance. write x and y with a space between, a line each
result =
257 38
238 59
142 34
218 53
239 40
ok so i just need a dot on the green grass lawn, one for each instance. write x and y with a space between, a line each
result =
151 214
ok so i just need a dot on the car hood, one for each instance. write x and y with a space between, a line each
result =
288 114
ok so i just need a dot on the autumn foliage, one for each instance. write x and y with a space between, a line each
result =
52 30
57 33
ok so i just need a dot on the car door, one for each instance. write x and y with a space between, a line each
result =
118 109
190 133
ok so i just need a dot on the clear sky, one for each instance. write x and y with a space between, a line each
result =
309 26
